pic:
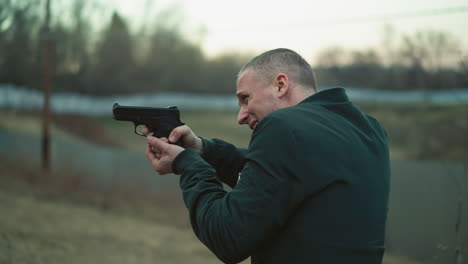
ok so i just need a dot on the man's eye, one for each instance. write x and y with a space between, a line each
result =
245 100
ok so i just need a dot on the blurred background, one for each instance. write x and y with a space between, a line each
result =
75 186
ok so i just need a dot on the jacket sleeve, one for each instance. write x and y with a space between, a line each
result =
232 225
225 158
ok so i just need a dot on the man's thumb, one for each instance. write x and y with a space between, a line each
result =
177 133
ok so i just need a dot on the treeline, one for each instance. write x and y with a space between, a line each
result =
159 57
429 60
113 60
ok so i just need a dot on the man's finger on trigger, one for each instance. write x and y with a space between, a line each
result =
145 131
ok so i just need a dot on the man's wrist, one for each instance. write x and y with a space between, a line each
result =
208 146
183 160
200 145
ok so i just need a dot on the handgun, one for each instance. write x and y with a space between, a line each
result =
160 121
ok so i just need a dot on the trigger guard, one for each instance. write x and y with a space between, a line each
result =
141 134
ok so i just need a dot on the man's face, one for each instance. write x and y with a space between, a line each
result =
256 99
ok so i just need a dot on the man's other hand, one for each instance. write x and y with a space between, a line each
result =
186 135
161 154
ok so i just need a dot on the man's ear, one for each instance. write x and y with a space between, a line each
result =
282 84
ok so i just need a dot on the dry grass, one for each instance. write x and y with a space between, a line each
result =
44 221
41 224
424 132
45 231
391 259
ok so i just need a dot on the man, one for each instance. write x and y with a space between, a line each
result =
313 185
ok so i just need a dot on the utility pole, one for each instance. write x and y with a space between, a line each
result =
47 77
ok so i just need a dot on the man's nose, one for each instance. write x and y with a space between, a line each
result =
242 117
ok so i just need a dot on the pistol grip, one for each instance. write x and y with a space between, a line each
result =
179 143
164 131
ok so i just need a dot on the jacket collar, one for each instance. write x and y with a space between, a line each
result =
328 96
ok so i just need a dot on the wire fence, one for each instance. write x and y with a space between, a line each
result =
19 98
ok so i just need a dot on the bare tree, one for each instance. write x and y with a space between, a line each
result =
428 53
73 47
463 70
114 59
18 63
332 57
388 45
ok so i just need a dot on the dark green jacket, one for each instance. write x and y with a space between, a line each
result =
313 187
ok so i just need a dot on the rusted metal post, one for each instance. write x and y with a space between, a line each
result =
47 77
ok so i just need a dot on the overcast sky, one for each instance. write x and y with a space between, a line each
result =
305 26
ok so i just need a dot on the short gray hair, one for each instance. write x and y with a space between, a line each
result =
281 60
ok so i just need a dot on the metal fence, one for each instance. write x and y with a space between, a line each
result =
12 97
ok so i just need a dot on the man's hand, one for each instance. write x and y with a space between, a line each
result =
188 138
161 154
